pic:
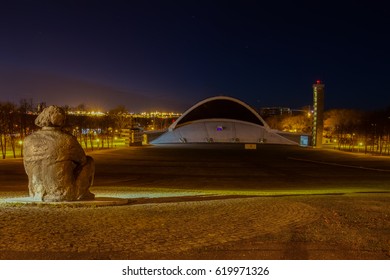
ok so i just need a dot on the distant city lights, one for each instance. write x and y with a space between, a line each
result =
155 114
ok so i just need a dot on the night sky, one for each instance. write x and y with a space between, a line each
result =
167 55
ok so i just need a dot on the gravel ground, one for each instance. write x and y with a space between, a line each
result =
203 203
297 227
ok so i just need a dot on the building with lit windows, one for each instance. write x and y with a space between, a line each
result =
275 111
318 114
221 119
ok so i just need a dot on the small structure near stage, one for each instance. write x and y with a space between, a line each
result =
57 167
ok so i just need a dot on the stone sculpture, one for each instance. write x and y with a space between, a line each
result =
56 164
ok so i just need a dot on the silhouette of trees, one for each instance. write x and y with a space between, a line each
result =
355 130
7 127
377 132
300 123
348 129
15 123
120 117
343 125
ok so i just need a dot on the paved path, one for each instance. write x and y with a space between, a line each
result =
142 229
327 226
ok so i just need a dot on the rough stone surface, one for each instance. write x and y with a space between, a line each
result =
56 164
97 202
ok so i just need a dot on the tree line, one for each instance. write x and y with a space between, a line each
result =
346 129
355 130
17 121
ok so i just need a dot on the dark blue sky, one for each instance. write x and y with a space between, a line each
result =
167 55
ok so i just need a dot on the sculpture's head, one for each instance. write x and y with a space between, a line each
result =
52 116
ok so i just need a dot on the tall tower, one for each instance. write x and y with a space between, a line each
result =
318 114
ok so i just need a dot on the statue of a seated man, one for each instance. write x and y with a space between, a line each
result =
56 164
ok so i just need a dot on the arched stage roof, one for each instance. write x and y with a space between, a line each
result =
220 107
221 119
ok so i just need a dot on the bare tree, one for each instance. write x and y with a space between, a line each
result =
298 123
344 125
121 117
26 120
7 127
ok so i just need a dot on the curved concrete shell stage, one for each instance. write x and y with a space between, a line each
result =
221 119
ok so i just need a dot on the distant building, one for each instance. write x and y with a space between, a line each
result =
318 114
274 111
